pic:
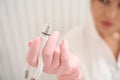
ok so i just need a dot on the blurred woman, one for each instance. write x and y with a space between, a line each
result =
90 51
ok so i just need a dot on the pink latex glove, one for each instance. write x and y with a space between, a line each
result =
57 60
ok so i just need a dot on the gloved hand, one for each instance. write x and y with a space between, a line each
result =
57 60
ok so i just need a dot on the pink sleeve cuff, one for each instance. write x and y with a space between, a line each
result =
75 75
69 77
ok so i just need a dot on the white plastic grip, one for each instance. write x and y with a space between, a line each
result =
40 66
39 69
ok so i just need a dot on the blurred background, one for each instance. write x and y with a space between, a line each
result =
23 20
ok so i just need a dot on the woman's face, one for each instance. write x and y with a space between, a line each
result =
106 14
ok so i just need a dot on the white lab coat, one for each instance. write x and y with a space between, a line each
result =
96 59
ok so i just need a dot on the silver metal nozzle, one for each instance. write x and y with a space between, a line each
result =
47 30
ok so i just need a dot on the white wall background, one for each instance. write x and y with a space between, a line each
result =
23 20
